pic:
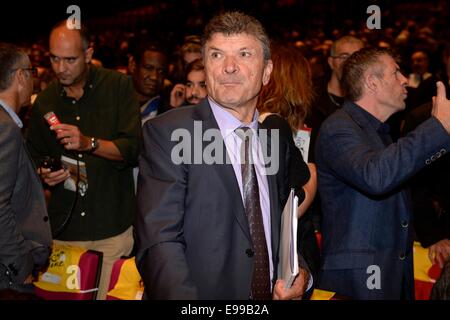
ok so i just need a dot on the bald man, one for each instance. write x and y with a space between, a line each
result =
93 201
329 98
330 95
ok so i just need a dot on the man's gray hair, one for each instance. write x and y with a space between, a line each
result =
357 65
235 22
10 58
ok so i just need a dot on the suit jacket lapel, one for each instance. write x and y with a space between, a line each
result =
225 171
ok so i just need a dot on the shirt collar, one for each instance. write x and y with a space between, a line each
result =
155 99
380 127
11 112
227 122
384 128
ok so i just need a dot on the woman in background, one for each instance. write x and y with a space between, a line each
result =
284 104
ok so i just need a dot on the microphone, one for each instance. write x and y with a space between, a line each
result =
53 164
51 118
56 164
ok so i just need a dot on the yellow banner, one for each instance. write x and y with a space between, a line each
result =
63 273
129 285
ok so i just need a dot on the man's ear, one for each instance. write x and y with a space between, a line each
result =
88 54
267 72
131 65
20 78
372 83
330 61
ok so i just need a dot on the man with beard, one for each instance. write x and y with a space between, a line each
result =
195 88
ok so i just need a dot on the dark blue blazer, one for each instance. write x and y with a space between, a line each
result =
366 209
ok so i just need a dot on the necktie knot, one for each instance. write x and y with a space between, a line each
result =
244 133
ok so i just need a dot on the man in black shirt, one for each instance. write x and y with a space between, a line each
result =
93 202
330 96
329 99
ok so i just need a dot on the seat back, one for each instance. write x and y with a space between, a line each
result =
425 273
73 273
126 282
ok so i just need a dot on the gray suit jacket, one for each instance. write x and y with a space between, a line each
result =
25 235
192 232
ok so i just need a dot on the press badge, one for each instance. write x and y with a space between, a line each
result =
302 140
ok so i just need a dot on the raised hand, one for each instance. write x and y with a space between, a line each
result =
441 106
178 95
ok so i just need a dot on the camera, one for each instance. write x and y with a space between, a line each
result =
53 164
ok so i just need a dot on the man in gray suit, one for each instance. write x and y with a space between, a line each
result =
25 235
209 230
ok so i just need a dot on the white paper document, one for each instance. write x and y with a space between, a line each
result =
288 264
302 140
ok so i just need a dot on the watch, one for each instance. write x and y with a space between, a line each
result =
94 144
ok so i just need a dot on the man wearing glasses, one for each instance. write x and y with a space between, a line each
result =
92 203
329 99
33 71
330 96
25 235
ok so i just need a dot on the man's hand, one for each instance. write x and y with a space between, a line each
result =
178 95
441 106
439 252
296 291
71 137
29 279
53 178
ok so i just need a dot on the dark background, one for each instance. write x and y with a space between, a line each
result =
27 20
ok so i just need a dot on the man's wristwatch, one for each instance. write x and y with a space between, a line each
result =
94 144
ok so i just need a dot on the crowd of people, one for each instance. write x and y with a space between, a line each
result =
358 124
